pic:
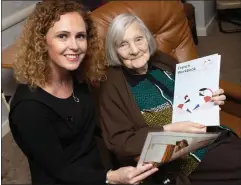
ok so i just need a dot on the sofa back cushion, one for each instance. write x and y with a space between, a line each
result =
165 19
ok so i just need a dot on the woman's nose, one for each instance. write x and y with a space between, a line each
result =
133 49
73 44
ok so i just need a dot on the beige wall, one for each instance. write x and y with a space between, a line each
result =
9 8
209 10
204 12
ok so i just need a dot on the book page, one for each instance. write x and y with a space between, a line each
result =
195 83
163 147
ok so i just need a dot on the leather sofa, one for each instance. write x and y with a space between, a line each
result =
189 10
169 25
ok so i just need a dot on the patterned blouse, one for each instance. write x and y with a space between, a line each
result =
153 93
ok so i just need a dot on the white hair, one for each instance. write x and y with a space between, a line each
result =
116 33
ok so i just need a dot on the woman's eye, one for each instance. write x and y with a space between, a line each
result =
139 39
123 45
62 36
81 36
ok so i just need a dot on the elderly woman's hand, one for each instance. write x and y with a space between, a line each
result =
219 97
185 126
130 175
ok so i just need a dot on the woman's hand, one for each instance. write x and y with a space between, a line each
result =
219 97
130 175
185 126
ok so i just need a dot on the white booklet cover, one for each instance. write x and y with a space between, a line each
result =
163 147
195 82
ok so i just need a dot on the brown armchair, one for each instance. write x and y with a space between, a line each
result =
169 25
189 10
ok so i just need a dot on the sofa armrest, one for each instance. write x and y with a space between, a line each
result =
231 90
233 101
8 55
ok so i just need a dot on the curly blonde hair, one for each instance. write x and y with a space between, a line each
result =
31 65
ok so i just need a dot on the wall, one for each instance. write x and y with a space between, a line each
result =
8 9
204 13
209 11
9 36
199 13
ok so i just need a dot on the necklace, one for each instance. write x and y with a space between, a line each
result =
76 99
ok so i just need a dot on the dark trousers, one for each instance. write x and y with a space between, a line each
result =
220 166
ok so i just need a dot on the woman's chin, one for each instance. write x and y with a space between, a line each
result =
139 66
72 67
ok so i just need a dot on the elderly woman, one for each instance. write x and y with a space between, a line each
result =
136 99
52 115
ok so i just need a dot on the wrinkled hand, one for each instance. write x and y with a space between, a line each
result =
130 175
185 126
218 97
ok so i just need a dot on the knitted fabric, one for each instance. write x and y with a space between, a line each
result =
156 110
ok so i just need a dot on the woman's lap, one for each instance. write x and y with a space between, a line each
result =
222 164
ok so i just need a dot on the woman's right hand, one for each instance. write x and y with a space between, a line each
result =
130 175
185 126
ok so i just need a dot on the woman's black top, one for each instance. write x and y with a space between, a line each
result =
56 135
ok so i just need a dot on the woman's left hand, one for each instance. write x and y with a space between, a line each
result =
130 175
218 97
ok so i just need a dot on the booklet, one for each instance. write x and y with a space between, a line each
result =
195 82
163 147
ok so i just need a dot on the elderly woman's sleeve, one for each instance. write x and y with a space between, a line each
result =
119 132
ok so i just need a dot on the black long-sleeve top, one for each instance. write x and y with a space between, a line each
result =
56 135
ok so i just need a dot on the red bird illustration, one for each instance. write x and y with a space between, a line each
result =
187 99
207 95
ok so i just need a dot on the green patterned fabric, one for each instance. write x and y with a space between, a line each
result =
156 110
